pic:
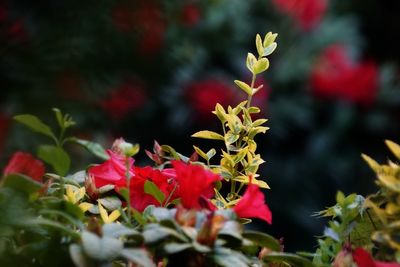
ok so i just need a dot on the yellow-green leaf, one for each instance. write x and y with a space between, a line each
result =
260 66
269 49
259 45
208 135
244 86
250 61
372 163
240 155
395 148
231 138
269 39
201 153
220 112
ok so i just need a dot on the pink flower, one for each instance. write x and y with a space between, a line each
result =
111 171
336 75
307 13
203 96
252 205
25 163
364 259
195 185
128 97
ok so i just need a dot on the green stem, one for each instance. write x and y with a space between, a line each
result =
253 80
128 182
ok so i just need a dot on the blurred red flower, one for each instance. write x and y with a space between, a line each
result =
195 185
111 171
364 259
203 96
145 19
4 126
124 99
150 24
336 75
252 205
25 163
138 198
190 15
307 13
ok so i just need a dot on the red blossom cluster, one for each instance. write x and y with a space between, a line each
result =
144 18
336 75
306 13
26 164
12 28
123 99
192 184
203 95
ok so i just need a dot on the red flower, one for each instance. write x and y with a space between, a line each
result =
190 14
364 259
195 185
307 13
25 163
138 198
111 171
150 25
252 205
336 75
4 125
124 99
204 95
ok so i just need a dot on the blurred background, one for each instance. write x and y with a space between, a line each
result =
153 70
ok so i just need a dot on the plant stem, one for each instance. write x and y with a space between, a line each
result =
128 182
253 80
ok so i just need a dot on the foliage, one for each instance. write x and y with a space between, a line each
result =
370 222
92 217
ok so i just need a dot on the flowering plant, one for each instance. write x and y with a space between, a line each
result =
177 212
180 211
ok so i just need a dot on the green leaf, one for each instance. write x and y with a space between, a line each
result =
201 153
102 249
138 256
231 138
94 148
59 117
269 49
269 39
152 189
77 256
263 240
220 112
35 124
56 157
394 148
250 61
154 233
228 258
117 230
261 65
111 203
124 193
172 248
292 259
21 183
259 45
208 135
211 153
244 86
